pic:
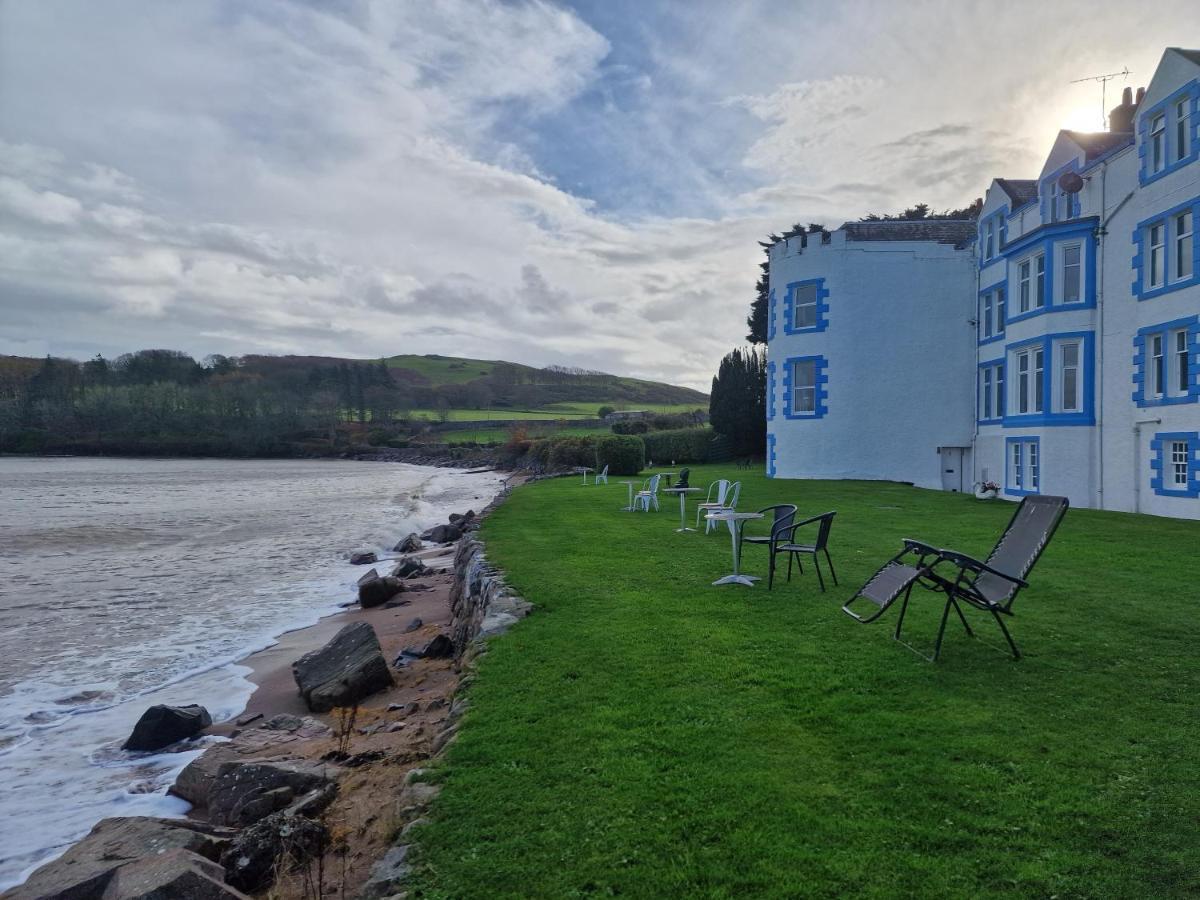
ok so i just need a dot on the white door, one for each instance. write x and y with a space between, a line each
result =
952 463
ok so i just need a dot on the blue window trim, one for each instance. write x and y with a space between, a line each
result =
1141 357
999 335
1159 462
1043 239
770 454
1009 488
1166 107
821 379
789 307
771 312
1139 256
1044 192
990 364
1086 415
1001 234
770 390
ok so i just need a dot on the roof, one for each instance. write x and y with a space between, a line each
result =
1190 55
1098 143
1020 190
941 231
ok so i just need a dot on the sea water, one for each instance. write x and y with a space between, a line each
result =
125 583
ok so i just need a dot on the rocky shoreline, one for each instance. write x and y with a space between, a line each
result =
314 789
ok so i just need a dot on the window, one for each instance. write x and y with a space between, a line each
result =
1023 278
1069 376
1000 310
1023 382
1182 129
991 392
1024 466
804 387
989 239
1157 375
1179 464
986 400
1071 274
1183 245
804 306
1174 464
1039 383
1158 250
1039 293
1158 134
1182 370
985 316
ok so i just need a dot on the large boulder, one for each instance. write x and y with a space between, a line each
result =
443 534
87 868
162 725
348 668
173 875
409 566
253 858
376 590
245 791
363 558
410 544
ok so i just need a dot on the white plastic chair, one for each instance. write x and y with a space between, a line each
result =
601 476
735 491
710 502
648 494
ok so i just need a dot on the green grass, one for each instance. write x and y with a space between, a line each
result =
487 435
443 369
644 733
590 409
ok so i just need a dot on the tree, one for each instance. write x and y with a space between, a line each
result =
737 403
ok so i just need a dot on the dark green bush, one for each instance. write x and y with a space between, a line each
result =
571 451
631 426
623 454
683 445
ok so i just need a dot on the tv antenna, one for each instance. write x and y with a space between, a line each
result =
1104 80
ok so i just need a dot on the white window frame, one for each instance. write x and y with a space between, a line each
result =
800 389
1001 308
1035 465
1017 474
1022 398
806 305
1158 372
1025 282
1158 143
1078 267
1180 452
1039 380
1183 225
1039 272
1073 369
1181 370
989 245
1156 241
1183 135
986 315
987 387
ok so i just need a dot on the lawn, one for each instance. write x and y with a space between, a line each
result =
647 734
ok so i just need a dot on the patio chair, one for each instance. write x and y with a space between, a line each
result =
648 494
990 586
820 544
712 500
730 505
601 476
782 517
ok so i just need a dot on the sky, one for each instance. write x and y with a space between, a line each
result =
550 183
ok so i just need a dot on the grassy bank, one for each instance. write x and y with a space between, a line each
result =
647 734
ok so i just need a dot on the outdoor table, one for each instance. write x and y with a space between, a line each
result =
668 476
733 518
629 484
682 492
584 470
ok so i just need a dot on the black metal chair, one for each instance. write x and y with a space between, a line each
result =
820 544
991 586
784 514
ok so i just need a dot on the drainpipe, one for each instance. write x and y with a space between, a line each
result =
1137 460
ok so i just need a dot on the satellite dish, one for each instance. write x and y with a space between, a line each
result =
1070 182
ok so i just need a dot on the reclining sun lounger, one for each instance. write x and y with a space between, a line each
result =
991 585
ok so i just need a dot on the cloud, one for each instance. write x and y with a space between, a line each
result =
43 207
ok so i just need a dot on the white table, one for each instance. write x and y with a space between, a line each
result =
733 518
584 470
629 484
682 492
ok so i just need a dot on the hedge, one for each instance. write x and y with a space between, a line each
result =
623 454
683 445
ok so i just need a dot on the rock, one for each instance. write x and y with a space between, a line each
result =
247 719
394 727
374 590
413 625
410 544
244 792
408 567
440 742
417 795
443 534
173 875
195 782
351 666
162 725
441 647
258 852
87 868
283 722
435 703
387 875
363 558
415 823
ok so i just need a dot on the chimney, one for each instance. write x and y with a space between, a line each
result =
1121 117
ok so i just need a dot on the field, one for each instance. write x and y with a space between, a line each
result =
499 435
549 412
646 734
443 369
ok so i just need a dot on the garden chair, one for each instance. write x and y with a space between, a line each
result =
820 544
990 586
648 494
601 476
730 505
782 516
714 499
